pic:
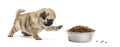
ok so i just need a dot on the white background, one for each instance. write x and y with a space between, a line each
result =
101 15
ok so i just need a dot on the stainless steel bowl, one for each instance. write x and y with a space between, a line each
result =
80 37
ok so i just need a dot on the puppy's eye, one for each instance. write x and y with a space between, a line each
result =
48 14
43 15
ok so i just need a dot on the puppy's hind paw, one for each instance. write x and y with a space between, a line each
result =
10 35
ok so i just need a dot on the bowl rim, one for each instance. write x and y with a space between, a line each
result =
79 32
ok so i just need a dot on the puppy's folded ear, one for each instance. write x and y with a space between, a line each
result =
43 15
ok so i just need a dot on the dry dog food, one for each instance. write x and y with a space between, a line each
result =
105 42
102 41
81 29
96 40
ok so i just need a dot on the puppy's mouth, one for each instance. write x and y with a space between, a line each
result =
49 22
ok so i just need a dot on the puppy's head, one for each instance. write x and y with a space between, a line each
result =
48 16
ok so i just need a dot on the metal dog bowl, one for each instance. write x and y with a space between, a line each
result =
80 37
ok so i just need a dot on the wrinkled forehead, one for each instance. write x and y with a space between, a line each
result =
51 17
51 14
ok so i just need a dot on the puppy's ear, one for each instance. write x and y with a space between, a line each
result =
43 15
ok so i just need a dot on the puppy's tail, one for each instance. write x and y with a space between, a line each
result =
19 11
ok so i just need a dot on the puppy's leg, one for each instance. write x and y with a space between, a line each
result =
35 35
26 34
14 29
53 28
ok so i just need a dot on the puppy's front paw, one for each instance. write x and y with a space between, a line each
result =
56 28
37 38
60 26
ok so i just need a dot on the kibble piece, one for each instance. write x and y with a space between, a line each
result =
105 42
96 40
102 41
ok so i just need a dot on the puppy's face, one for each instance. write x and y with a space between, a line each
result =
48 17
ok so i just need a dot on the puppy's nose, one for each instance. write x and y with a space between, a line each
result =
50 20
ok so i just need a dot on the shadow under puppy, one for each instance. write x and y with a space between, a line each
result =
33 22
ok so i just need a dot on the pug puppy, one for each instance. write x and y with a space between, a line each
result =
33 22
